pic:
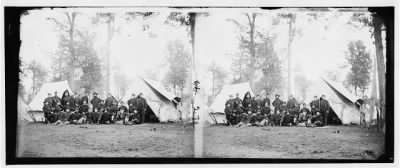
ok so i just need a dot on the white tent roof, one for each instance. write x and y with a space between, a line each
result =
158 99
218 105
60 87
340 100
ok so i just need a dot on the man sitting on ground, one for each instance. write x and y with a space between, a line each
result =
285 119
275 118
244 120
318 120
229 114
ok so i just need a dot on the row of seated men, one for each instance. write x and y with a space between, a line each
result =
57 112
275 118
258 110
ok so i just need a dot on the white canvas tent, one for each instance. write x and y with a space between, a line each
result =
342 102
60 87
217 108
158 98
23 111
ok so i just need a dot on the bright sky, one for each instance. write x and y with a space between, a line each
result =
316 50
132 49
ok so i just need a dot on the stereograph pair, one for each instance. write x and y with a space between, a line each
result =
306 84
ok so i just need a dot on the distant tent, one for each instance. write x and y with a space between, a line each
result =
161 102
23 111
60 87
342 102
217 113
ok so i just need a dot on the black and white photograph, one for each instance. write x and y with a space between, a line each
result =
145 84
104 83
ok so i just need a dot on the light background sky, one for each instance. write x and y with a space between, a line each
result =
316 50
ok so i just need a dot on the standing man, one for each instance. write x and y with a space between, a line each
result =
84 98
277 103
95 102
266 101
141 106
49 100
325 107
230 101
237 101
56 99
109 101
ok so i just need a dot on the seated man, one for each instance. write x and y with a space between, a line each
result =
275 118
317 120
84 110
74 117
244 120
122 111
134 118
229 114
304 119
64 117
48 113
113 111
286 119
257 119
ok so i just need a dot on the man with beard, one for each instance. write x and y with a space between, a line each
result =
266 101
277 103
141 106
325 107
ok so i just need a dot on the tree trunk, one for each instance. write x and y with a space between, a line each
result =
71 21
292 20
110 31
377 23
252 21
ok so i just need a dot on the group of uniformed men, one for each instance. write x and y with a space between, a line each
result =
257 111
75 109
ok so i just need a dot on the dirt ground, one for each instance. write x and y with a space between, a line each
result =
41 140
351 142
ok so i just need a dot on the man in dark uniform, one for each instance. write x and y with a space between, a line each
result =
230 101
49 100
132 104
76 99
325 107
48 113
275 118
292 104
58 110
84 98
266 101
109 101
317 120
237 101
277 103
56 99
229 114
141 106
113 111
95 102
122 111
84 110
315 105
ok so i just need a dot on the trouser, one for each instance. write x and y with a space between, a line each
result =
229 118
325 122
242 124
142 115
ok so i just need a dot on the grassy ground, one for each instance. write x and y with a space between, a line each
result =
41 140
293 142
